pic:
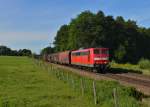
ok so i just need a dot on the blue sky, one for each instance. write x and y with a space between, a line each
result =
33 24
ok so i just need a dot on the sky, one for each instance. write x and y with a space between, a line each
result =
33 24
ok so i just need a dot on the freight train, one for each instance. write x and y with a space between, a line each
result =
96 59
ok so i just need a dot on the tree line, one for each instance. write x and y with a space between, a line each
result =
5 51
127 41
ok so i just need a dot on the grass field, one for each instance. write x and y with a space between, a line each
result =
24 84
130 68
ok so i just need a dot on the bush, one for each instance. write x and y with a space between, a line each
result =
144 64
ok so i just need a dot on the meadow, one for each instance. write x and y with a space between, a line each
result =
143 67
25 82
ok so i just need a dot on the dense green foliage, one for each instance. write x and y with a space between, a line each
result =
127 41
9 52
144 64
47 50
143 67
62 38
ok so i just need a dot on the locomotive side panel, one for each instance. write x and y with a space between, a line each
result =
82 58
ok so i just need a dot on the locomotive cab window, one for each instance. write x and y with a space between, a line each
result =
78 53
102 51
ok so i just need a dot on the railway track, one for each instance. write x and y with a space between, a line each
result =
130 79
137 76
140 82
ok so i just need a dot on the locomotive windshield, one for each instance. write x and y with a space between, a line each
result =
100 51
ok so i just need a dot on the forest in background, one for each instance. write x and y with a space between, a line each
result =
127 41
5 51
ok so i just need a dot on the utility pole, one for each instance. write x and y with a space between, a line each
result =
50 44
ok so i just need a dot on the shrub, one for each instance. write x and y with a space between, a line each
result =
144 64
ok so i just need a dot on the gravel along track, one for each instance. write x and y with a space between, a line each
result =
130 79
139 81
136 76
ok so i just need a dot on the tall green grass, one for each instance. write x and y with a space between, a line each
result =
143 67
127 97
26 82
144 64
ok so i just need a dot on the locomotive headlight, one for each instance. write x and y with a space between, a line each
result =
105 62
105 58
97 59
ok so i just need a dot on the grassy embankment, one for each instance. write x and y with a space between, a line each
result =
143 67
24 84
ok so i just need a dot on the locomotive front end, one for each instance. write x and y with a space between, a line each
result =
101 58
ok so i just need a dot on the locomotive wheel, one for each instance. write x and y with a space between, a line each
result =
103 71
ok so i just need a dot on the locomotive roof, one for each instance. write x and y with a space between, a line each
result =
80 50
83 50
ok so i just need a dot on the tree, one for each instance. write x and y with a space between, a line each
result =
81 31
4 50
61 40
126 40
47 50
24 52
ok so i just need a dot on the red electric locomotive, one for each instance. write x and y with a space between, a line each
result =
95 58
